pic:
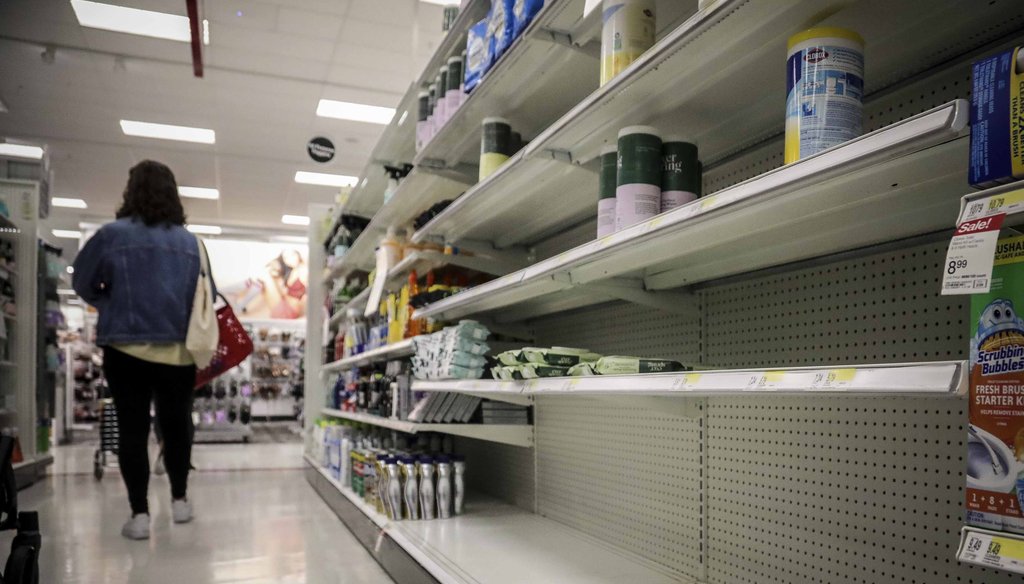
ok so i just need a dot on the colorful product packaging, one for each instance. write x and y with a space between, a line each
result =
997 119
523 12
995 434
825 90
628 29
476 64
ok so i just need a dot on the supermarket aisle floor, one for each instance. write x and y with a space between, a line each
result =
258 521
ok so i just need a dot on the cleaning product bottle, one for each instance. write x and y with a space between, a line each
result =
380 487
458 483
444 487
410 488
394 490
426 468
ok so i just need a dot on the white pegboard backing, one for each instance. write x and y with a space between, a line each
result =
752 162
829 490
499 470
569 238
626 471
622 329
880 308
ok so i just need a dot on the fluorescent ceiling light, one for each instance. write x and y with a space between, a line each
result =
357 112
204 229
168 132
443 2
324 179
290 238
294 219
199 193
159 25
67 234
68 203
65 292
206 32
21 151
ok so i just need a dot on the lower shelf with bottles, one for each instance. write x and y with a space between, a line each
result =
497 543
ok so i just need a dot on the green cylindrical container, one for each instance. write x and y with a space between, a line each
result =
442 83
638 182
606 185
515 143
680 179
422 112
441 112
495 145
453 96
454 73
432 90
448 17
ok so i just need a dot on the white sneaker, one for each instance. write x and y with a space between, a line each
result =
158 467
181 509
137 527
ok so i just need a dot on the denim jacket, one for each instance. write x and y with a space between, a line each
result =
142 279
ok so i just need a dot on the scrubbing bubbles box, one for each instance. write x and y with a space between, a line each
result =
995 434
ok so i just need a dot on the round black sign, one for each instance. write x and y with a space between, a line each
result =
320 149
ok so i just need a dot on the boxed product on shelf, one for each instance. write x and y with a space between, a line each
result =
456 352
997 99
500 28
995 434
477 53
523 12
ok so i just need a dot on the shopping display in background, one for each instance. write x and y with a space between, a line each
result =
995 435
261 280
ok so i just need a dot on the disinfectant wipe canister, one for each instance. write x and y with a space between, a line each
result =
454 94
495 145
680 178
627 31
423 110
441 113
638 181
432 107
825 85
606 186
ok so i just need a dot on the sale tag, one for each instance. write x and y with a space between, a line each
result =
1005 203
833 380
969 260
767 381
992 550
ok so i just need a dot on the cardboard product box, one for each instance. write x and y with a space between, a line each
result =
997 119
995 434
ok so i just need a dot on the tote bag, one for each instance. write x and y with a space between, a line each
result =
234 347
203 333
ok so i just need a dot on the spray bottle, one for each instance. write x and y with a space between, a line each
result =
426 465
444 487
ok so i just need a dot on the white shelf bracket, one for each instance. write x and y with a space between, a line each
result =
565 39
630 290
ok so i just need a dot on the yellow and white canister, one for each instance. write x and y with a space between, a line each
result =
825 89
627 31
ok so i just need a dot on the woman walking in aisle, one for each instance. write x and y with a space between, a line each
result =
140 272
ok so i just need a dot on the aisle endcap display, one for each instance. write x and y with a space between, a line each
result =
940 378
796 212
512 434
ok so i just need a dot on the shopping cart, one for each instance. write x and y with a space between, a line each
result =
108 437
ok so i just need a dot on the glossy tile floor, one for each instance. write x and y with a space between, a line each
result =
257 521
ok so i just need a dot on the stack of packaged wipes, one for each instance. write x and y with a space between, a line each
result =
533 363
456 352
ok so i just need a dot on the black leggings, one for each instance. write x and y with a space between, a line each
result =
135 383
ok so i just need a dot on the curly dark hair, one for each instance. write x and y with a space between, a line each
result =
152 195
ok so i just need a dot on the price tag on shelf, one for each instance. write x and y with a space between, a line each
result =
1005 203
685 382
833 380
767 381
968 265
996 551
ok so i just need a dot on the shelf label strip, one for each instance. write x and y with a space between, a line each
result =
985 549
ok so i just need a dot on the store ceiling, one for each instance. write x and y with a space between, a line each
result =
268 64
